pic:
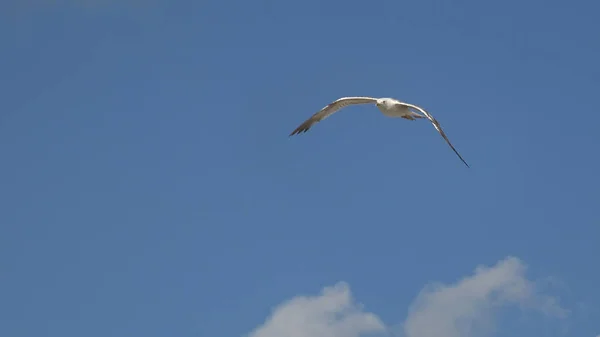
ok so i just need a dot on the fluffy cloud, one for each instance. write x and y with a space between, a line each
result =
331 314
465 308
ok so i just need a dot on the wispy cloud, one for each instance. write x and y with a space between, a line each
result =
465 308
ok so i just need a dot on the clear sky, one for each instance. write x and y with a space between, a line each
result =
148 186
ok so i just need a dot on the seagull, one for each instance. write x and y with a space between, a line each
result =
390 107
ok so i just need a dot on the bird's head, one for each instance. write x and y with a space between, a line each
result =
385 102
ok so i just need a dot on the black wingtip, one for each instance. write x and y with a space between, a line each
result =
296 132
301 129
464 162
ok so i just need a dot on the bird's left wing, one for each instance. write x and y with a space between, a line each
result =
437 126
329 109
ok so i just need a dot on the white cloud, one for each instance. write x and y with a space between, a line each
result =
465 308
331 314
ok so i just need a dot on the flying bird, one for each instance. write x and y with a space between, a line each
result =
390 107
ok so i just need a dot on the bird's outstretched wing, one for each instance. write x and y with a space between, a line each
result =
437 126
329 110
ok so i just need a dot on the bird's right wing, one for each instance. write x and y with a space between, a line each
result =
437 126
329 110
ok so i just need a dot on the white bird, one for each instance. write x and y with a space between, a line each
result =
390 107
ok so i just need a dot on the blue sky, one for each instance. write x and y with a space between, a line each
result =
149 186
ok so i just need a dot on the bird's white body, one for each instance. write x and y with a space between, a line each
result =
393 108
